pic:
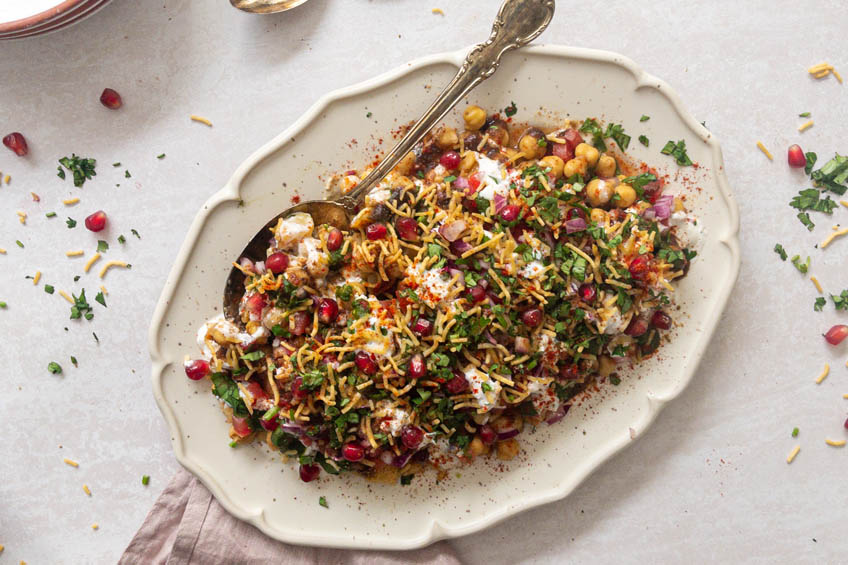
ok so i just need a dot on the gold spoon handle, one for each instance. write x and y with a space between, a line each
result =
518 23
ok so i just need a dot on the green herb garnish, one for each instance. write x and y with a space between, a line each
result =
102 246
678 151
81 168
810 199
72 223
50 214
644 140
145 480
820 302
54 368
48 288
780 251
511 110
100 299
840 301
802 267
644 118
323 502
795 432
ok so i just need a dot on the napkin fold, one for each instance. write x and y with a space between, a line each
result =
187 526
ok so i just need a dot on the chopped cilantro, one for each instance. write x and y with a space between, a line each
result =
405 480
833 175
72 223
2 304
678 151
804 115
802 267
811 161
81 168
54 368
482 204
312 380
253 355
118 164
780 251
805 219
644 140
795 432
810 199
101 299
74 361
450 178
121 239
127 174
590 126
323 502
135 233
97 339
616 132
344 293
840 301
81 307
102 246
638 182
644 118
226 389
615 380
145 480
820 302
368 115
162 156
61 173
19 243
48 288
511 110
50 214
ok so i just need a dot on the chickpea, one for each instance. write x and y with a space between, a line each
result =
477 447
587 152
468 162
529 145
626 195
498 132
554 163
508 449
606 366
606 166
599 192
599 216
474 117
447 138
405 165
576 166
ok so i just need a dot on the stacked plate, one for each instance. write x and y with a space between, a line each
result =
25 18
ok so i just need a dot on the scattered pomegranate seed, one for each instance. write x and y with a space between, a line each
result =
297 392
478 293
457 384
846 424
309 473
450 160
241 426
353 452
365 362
417 367
407 229
96 221
532 317
422 327
334 239
111 99
510 212
412 436
587 292
639 267
197 369
637 327
376 231
661 320
277 263
796 157
570 372
299 323
487 434
836 334
269 425
255 304
328 311
16 142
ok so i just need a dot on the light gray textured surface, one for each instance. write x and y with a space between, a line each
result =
707 483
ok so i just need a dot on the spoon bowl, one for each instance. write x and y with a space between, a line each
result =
266 6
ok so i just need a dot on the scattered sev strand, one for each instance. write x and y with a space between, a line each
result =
805 126
200 119
765 151
817 284
821 71
70 201
109 265
94 258
70 462
36 278
86 490
827 241
76 253
824 374
438 11
95 526
793 454
65 295
835 442
844 203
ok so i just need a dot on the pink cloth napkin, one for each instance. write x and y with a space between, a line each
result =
187 526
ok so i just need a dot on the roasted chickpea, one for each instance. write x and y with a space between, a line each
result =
606 166
498 132
599 192
587 152
554 163
606 366
405 165
508 449
474 117
529 145
447 138
626 195
468 162
477 447
576 166
599 216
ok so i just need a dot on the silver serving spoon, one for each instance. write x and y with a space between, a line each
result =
518 23
266 6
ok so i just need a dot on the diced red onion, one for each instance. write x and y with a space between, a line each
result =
401 460
461 183
507 434
649 214
499 202
575 225
459 247
246 263
662 207
260 267
559 414
522 345
490 338
452 230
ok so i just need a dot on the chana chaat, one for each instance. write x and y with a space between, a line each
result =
481 287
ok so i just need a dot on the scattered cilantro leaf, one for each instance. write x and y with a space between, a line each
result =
644 141
678 151
323 501
253 355
81 168
405 480
72 223
48 288
135 233
811 161
795 430
511 110
840 301
74 361
54 368
50 214
833 175
780 251
644 118
804 218
81 308
162 156
100 299
19 243
804 115
121 239
820 302
616 132
145 480
802 267
810 199
102 246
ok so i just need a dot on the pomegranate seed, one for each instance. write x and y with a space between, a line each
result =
407 229
277 263
575 213
637 327
297 392
353 452
309 473
478 293
269 425
255 304
450 160
412 436
487 434
587 292
111 99
334 239
197 369
96 221
365 362
417 367
639 267
328 311
509 213
532 317
376 231
299 323
846 424
241 426
836 334
16 142
457 384
661 320
422 327
470 205
796 157
570 372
